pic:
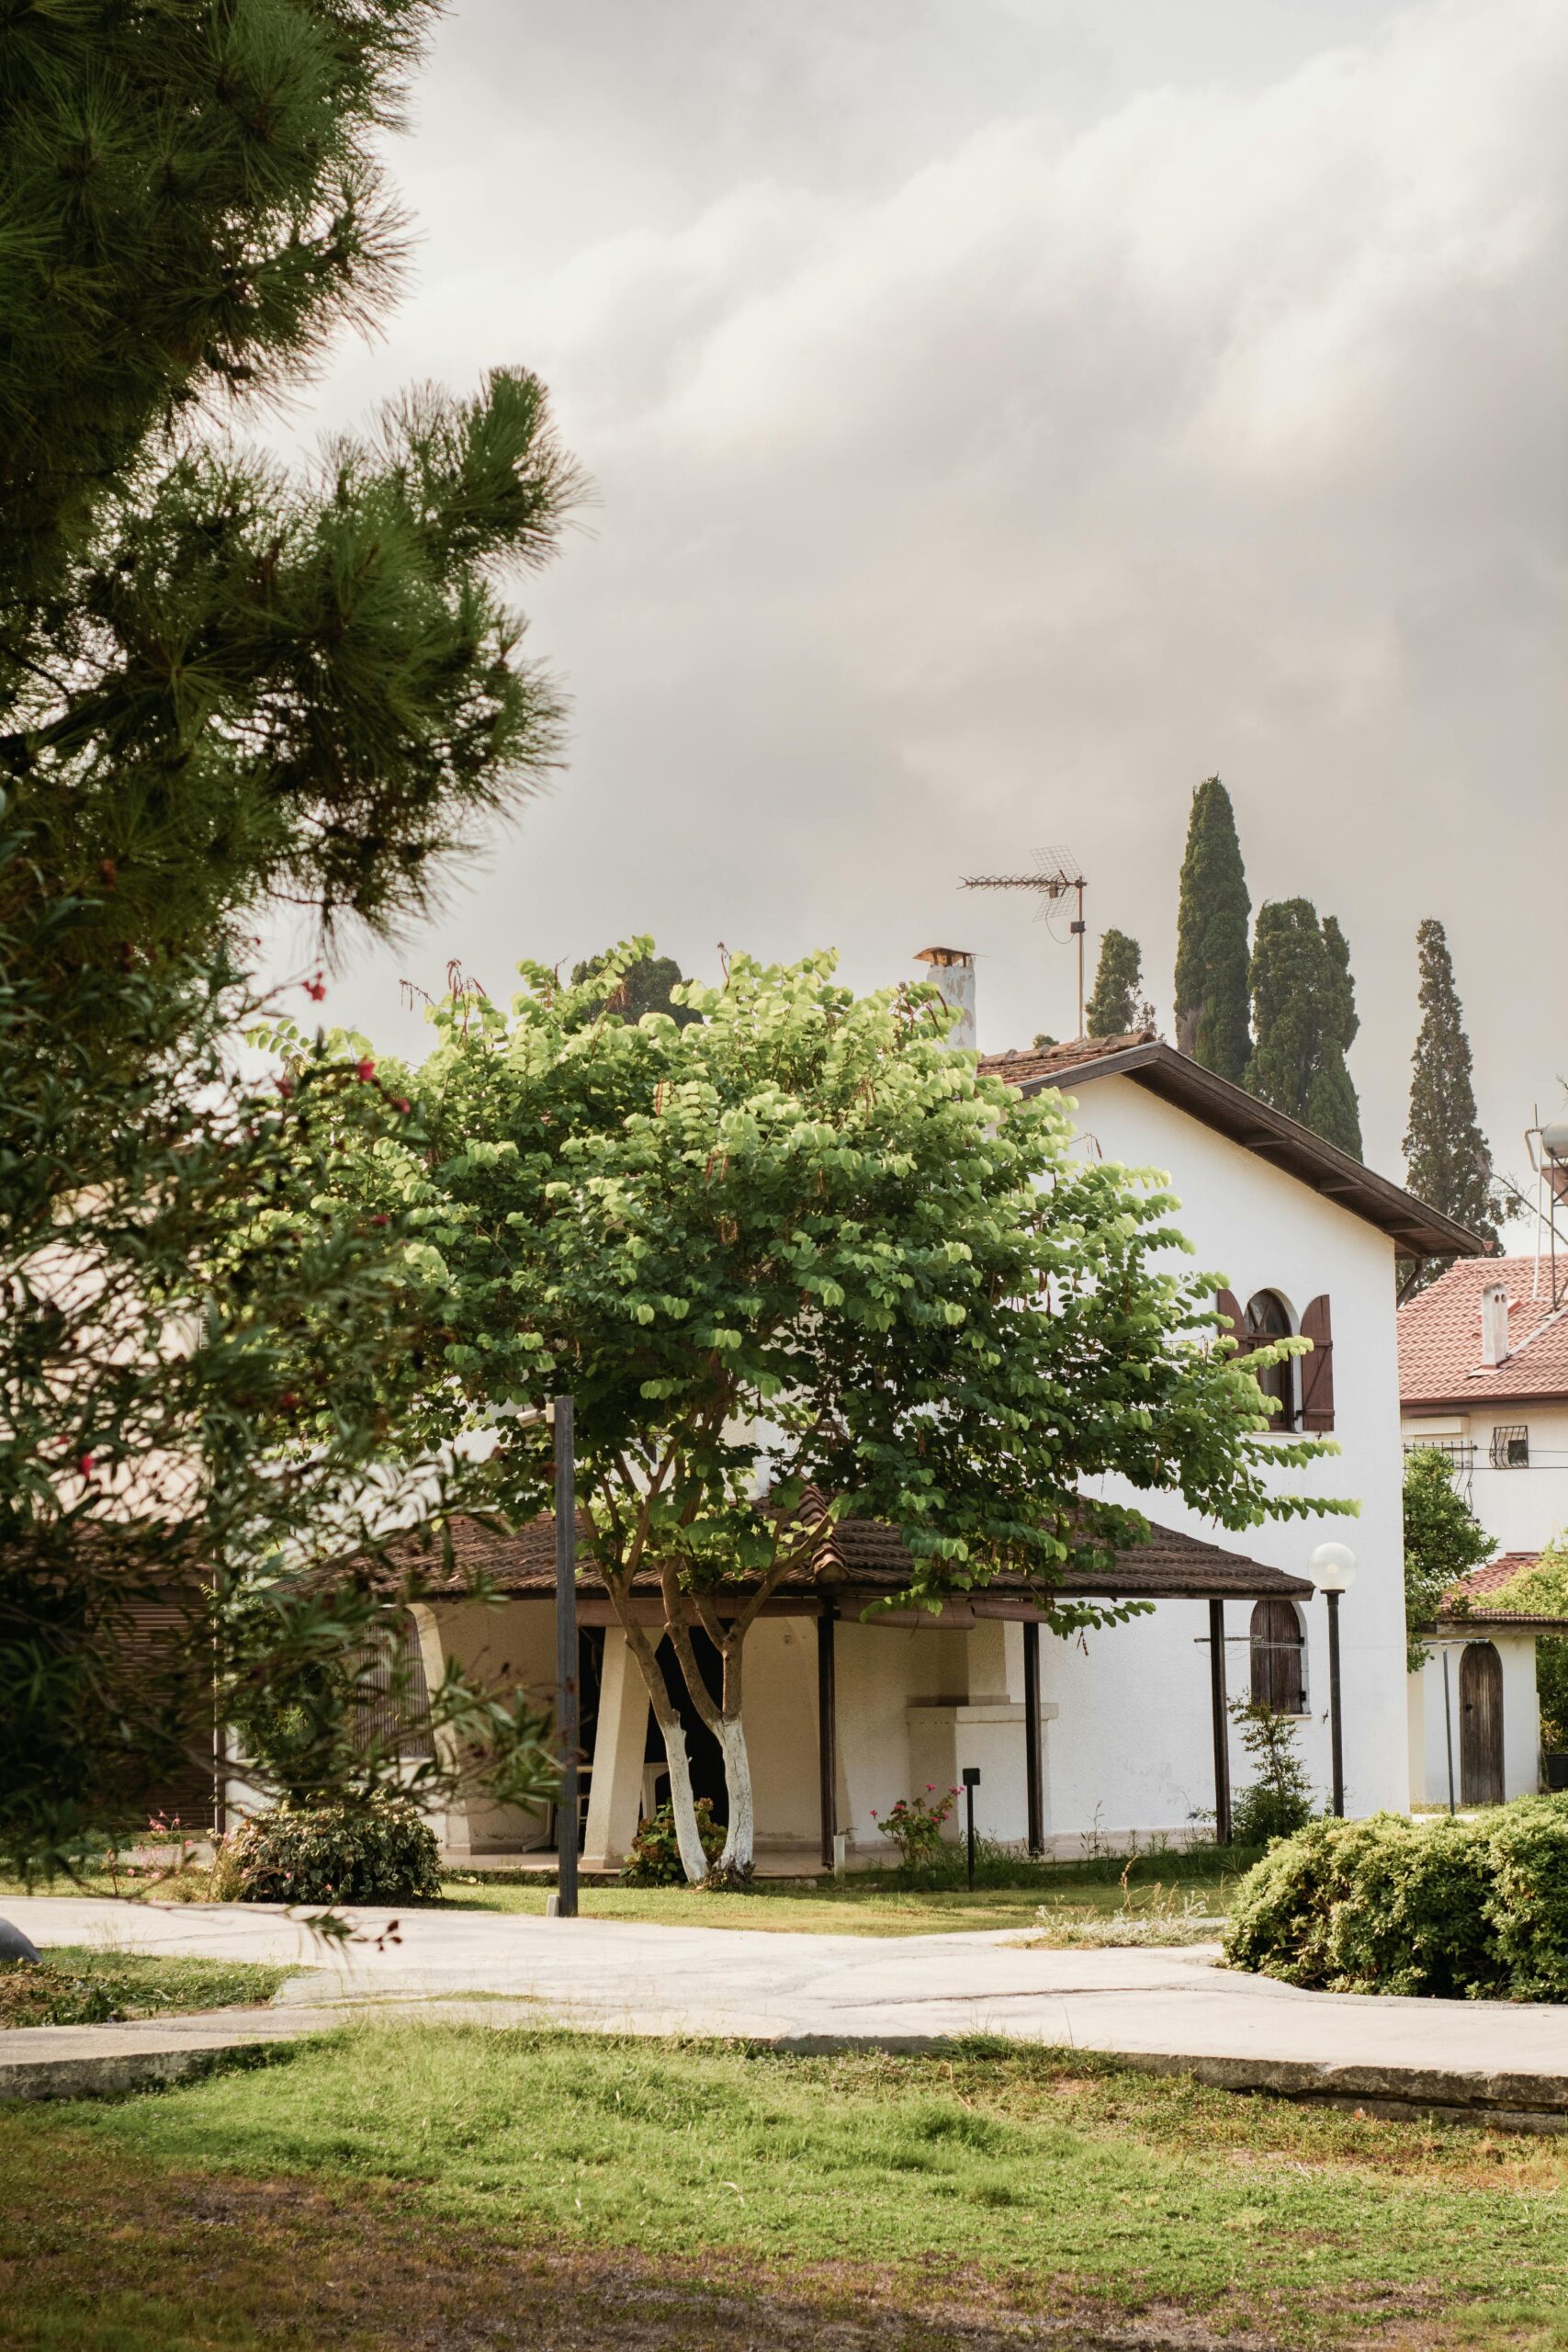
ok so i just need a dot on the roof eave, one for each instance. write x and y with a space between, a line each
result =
1417 1230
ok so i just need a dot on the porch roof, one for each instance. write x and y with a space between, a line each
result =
860 1561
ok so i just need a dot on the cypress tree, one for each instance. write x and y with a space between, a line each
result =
1303 1004
1446 1156
1211 938
1115 1006
1332 1108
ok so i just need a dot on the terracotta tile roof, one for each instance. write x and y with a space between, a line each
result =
1023 1064
1147 1061
858 1556
1439 1339
1480 1600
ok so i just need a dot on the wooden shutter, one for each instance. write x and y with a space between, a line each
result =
1229 1305
1318 1369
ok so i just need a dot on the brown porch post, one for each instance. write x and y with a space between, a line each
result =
1221 1722
1032 1735
827 1731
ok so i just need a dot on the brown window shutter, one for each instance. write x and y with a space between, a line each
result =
1229 1305
1318 1369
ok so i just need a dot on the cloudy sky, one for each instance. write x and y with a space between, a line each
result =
1003 413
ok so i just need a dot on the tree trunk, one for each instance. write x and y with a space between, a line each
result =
739 1858
683 1806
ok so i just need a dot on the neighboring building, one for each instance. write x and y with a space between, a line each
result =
847 1716
1484 1376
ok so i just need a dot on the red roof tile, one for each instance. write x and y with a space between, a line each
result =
1481 1599
859 1558
1439 1339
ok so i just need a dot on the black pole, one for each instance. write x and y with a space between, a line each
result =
1221 1722
971 1782
568 1727
827 1732
1032 1736
1335 1738
1449 1727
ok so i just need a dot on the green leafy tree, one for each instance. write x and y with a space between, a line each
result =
1304 1020
1446 1155
1443 1541
226 688
1212 1004
796 1261
1117 1005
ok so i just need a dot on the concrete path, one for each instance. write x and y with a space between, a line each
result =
1169 2010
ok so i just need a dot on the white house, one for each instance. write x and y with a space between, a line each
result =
1484 1376
1115 1735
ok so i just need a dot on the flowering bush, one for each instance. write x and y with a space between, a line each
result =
655 1858
915 1824
378 1850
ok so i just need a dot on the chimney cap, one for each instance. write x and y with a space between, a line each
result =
943 955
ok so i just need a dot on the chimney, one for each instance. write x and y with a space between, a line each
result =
1493 1323
953 969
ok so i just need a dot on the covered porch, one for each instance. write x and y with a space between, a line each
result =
846 1714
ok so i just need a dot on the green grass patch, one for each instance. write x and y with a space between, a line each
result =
1044 2182
85 1985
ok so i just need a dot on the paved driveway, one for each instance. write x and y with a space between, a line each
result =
808 1990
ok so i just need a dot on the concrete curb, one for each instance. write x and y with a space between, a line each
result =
108 2060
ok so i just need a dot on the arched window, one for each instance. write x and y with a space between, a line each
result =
1279 1678
1267 1317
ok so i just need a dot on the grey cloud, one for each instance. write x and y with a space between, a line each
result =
1002 416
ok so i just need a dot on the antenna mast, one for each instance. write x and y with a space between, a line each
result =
1057 876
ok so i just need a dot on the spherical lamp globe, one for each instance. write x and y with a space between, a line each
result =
1333 1568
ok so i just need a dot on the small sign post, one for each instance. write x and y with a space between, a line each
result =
568 1724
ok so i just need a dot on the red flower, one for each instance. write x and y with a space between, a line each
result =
316 988
380 1220
404 1105
84 1465
288 1400
285 1086
364 1073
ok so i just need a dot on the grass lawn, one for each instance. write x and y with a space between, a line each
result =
422 2185
869 1904
82 1984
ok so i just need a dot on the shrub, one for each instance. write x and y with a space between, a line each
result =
1456 1909
915 1826
1280 1800
378 1850
655 1856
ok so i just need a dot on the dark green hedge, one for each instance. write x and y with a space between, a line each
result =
379 1851
1473 1910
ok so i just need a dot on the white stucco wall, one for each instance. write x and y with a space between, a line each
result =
1430 1733
1141 1691
1523 1509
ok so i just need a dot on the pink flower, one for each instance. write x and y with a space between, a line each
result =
364 1073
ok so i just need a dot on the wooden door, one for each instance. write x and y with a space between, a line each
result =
1277 1678
1481 1725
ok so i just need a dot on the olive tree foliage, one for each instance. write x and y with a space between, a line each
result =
226 687
797 1259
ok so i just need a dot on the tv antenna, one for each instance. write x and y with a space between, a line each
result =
1057 878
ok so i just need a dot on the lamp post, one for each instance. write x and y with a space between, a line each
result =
1334 1571
971 1782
